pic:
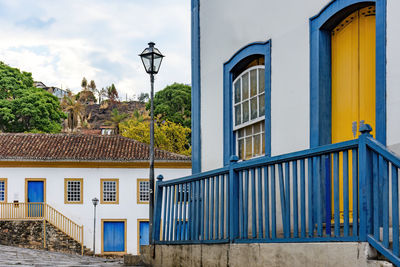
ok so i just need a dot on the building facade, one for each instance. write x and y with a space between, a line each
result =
294 134
68 171
302 105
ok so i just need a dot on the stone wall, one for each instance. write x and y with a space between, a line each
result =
263 254
29 234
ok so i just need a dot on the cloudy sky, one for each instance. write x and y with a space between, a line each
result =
64 40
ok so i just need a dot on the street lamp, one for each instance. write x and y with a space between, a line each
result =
95 201
151 58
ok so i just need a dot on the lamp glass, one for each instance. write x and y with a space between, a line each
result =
95 201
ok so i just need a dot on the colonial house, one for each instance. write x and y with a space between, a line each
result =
58 92
295 136
54 177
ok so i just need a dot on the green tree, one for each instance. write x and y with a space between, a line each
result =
75 110
173 103
92 86
115 119
168 135
112 93
84 84
101 93
24 108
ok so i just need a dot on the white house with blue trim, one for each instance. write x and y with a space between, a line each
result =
54 177
295 129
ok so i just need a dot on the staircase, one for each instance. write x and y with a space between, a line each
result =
56 227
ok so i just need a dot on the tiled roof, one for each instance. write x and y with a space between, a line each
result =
78 147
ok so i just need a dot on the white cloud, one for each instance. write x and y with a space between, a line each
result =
62 41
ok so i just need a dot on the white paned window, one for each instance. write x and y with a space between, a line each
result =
74 190
249 112
109 191
2 191
144 193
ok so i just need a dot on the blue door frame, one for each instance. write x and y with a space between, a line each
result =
35 191
113 236
143 233
35 194
320 67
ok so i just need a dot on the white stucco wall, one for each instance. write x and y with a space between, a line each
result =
83 213
393 75
225 27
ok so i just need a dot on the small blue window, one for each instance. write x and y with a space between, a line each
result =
247 99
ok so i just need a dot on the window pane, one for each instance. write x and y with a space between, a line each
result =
257 145
249 146
245 111
245 85
238 115
253 108
257 127
261 101
249 130
144 194
237 91
241 148
261 80
241 133
263 143
253 82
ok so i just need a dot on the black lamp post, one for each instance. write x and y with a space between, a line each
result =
151 58
95 201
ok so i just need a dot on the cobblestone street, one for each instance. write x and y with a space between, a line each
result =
10 256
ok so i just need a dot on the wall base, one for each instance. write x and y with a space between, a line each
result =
263 254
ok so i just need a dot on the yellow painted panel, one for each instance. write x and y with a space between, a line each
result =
345 78
353 84
367 66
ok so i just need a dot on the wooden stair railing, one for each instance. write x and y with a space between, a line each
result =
42 211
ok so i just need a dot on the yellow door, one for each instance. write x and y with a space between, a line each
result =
353 83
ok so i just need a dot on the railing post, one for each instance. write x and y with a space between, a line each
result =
233 200
157 210
365 167
82 250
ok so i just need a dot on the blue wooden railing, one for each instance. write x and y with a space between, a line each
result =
383 200
337 192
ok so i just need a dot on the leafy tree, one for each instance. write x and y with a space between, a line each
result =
115 119
92 86
75 110
143 97
168 135
24 108
84 84
173 103
101 93
112 93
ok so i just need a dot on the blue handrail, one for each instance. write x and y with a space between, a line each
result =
336 192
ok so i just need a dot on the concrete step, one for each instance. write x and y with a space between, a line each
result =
133 260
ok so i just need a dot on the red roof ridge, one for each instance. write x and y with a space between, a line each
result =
66 146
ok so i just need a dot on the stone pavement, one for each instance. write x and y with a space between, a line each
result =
10 256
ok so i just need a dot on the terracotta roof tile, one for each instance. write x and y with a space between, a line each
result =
78 147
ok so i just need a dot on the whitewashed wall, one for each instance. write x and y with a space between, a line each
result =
83 213
393 75
225 27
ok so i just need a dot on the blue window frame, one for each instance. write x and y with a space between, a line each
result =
320 67
252 50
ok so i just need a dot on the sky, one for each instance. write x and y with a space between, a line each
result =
62 41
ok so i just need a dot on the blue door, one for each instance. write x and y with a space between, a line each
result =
36 197
144 234
114 236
